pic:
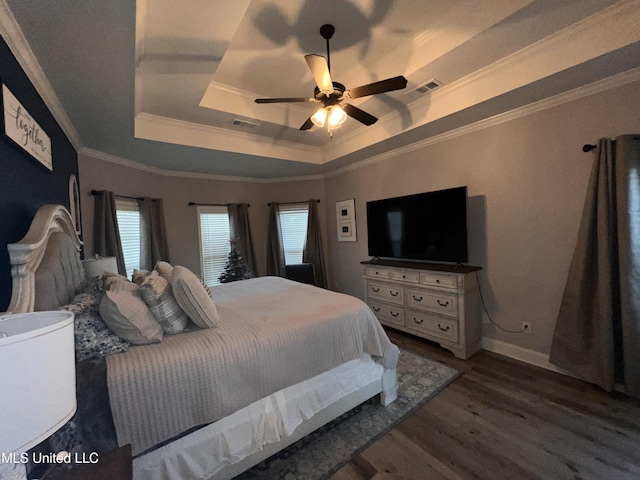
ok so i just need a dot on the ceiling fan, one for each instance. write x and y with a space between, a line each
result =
333 94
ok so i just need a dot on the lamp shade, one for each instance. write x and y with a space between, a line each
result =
37 377
96 266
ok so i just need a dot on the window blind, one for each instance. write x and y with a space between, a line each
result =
128 215
214 242
293 224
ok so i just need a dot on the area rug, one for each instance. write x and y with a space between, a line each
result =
322 453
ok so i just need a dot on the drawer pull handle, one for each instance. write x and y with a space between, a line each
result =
416 298
444 329
375 309
443 304
375 290
395 314
377 273
418 321
394 294
437 280
404 276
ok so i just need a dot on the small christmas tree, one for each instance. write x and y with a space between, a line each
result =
236 268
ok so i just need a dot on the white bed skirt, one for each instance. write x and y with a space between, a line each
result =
213 449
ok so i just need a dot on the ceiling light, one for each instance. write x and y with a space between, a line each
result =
334 115
319 117
337 116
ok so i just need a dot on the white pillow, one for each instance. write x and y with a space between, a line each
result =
192 297
126 314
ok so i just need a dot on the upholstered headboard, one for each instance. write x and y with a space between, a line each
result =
45 265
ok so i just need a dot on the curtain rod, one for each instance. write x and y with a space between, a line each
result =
96 192
191 204
291 203
588 147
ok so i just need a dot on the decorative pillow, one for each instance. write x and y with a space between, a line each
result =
92 337
193 298
126 314
93 286
138 276
164 269
156 293
109 277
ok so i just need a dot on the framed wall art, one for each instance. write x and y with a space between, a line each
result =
346 220
24 131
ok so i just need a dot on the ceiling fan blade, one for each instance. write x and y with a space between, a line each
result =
388 85
307 125
320 70
285 100
360 115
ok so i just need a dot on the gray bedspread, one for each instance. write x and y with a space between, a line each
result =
272 333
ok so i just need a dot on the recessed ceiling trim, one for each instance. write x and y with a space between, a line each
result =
571 46
615 81
116 160
240 102
162 129
439 40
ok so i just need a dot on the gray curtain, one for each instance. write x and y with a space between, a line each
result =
106 236
153 233
597 334
275 250
241 231
313 252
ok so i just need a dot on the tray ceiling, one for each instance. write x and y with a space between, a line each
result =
170 85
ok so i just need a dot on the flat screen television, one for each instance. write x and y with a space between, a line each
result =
429 226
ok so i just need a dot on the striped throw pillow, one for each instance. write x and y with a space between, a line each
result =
156 293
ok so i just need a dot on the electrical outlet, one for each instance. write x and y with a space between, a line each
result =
526 327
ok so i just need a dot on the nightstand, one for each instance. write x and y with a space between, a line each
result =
115 464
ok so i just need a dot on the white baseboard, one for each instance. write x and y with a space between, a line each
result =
523 354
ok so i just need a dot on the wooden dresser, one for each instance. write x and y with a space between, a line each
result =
434 301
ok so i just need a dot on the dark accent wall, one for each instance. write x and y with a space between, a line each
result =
26 185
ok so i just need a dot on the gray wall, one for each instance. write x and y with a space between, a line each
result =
178 191
526 181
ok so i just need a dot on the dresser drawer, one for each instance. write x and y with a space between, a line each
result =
376 272
433 326
405 276
436 280
438 302
387 292
388 313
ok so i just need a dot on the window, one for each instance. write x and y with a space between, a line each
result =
128 215
293 225
214 242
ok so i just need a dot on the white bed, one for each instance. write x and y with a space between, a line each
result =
231 444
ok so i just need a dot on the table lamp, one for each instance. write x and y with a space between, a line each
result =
97 265
37 383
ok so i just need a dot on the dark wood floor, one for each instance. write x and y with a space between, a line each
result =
506 419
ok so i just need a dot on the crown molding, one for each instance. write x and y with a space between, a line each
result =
163 129
123 162
599 86
566 48
20 48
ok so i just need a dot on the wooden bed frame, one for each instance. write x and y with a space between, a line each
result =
26 257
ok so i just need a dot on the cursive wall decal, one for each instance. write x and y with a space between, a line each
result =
20 127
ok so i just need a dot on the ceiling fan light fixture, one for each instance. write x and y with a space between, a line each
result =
337 116
319 117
